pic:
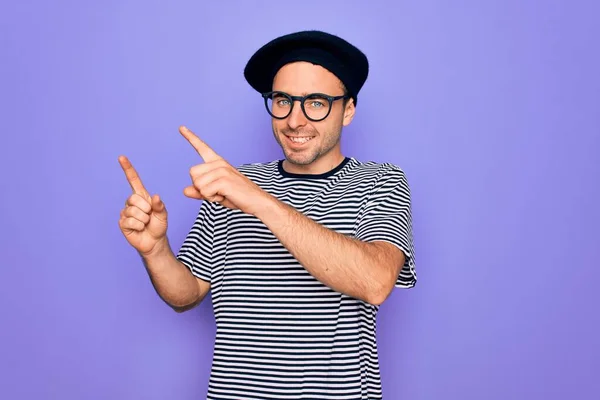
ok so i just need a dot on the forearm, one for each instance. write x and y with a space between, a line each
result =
172 280
366 271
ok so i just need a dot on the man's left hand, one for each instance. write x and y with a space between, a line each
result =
218 181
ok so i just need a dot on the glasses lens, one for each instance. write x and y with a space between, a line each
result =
316 107
279 105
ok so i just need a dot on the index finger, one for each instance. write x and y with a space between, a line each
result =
132 177
201 147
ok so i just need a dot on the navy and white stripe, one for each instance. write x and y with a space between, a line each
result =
281 334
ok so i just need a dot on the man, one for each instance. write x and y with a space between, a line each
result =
299 253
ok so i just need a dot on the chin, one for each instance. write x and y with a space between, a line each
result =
299 159
304 157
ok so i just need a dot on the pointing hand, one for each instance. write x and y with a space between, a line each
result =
143 220
216 180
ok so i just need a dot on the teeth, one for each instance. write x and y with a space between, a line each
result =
300 139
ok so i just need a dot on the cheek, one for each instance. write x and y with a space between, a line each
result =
278 125
323 128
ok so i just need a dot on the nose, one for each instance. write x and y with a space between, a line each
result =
296 118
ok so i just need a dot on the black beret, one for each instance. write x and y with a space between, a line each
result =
331 52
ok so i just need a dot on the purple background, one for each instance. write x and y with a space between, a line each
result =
491 107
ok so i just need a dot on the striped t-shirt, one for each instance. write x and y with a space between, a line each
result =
281 334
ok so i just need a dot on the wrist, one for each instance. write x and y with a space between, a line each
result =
161 250
268 206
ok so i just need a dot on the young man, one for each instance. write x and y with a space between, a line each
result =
297 253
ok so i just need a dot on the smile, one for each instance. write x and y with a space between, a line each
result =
299 140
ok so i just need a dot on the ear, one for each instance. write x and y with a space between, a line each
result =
349 111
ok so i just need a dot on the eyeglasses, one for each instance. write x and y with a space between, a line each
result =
315 106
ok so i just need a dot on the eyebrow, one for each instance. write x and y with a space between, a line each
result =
303 94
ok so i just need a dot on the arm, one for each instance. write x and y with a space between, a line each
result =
143 222
367 267
367 271
173 281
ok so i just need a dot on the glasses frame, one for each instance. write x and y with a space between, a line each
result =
302 99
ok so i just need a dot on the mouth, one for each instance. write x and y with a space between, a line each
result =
299 140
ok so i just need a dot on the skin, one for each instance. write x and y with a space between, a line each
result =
366 271
143 222
323 152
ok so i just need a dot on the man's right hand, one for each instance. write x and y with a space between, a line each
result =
144 218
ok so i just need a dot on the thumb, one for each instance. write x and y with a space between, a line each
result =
157 204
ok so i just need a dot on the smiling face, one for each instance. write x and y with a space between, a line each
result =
311 147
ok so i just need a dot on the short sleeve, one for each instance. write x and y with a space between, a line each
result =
196 252
387 217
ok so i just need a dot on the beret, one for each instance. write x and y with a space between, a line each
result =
331 52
